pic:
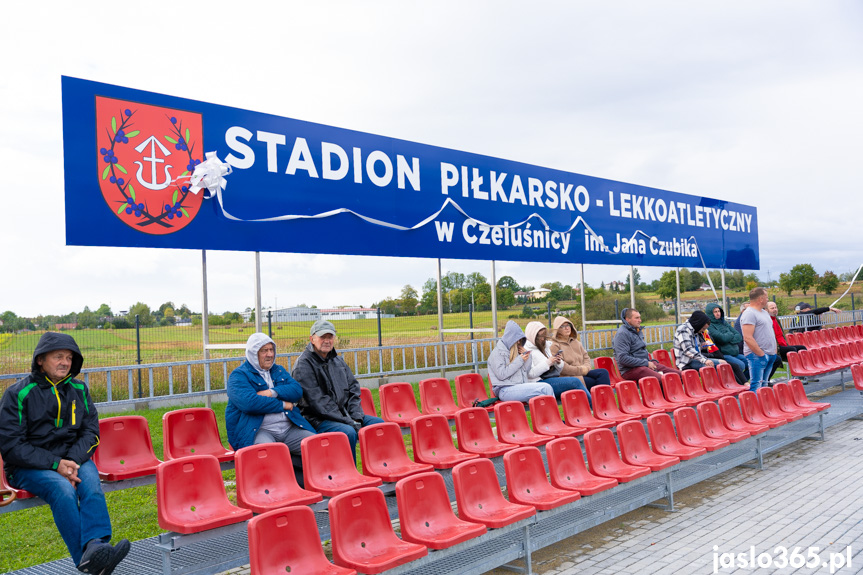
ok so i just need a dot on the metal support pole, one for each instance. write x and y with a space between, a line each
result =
258 318
631 288
494 299
583 308
853 309
138 340
724 297
815 297
472 343
677 301
380 333
205 325
617 308
548 305
440 317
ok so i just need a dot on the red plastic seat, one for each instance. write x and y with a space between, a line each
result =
566 468
190 495
527 483
363 536
710 379
398 403
266 480
727 379
604 460
694 389
635 450
425 514
609 365
808 360
384 455
328 466
367 402
8 494
752 413
576 411
800 398
663 357
689 433
286 541
665 442
770 406
470 387
192 431
651 393
436 397
431 438
545 418
474 434
785 400
712 425
857 376
630 401
674 392
479 498
512 427
729 411
125 448
797 367
605 405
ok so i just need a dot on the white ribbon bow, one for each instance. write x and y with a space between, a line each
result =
210 174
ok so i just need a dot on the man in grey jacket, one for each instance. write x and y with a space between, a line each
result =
630 350
331 393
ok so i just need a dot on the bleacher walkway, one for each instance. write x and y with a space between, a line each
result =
808 494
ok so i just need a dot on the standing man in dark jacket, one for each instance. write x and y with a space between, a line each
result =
262 399
331 393
49 429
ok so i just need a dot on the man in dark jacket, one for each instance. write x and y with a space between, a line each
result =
809 318
261 403
331 393
630 350
49 429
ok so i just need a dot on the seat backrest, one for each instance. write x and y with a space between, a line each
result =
726 376
398 403
265 475
191 431
565 460
525 473
795 363
124 442
627 395
327 461
600 447
729 411
857 376
608 364
603 400
268 552
424 506
436 396
382 446
710 418
768 402
367 402
673 386
663 357
189 489
473 425
692 383
511 419
544 413
576 407
661 430
475 483
686 422
710 379
468 388
785 398
633 441
651 392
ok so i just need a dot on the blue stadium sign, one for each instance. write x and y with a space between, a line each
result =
296 186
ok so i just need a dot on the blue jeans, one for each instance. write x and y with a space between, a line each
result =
561 384
695 364
80 513
759 368
596 377
738 364
328 426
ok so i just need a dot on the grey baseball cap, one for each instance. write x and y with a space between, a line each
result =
322 327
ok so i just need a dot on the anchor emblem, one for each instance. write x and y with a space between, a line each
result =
153 184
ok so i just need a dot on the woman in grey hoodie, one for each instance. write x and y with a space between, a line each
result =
508 367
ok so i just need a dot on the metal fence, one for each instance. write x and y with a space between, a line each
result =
134 382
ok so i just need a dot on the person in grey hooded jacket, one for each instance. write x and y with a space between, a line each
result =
509 366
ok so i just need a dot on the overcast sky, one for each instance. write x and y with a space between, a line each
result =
759 103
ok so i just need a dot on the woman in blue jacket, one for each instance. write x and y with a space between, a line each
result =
262 399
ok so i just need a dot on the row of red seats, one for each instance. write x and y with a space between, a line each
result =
819 361
826 337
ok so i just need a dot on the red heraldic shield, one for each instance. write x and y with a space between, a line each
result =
146 154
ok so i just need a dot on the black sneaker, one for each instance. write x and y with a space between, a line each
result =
120 550
96 557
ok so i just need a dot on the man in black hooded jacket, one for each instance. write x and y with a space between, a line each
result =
49 429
